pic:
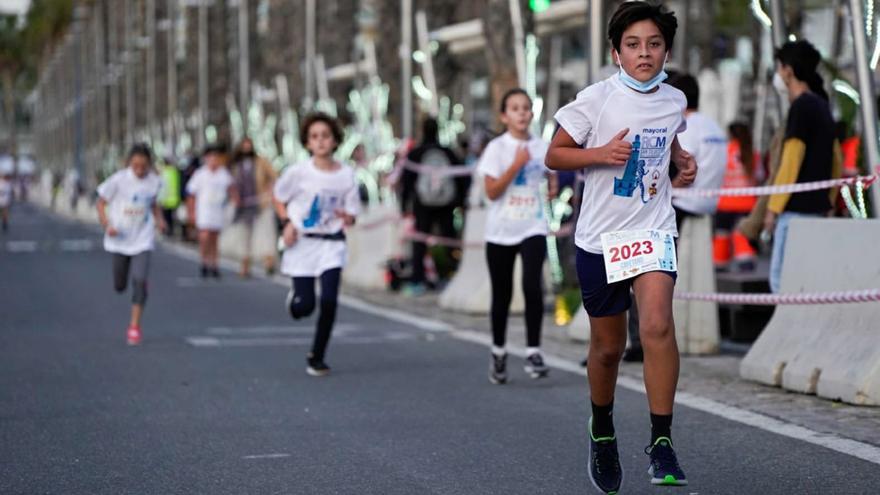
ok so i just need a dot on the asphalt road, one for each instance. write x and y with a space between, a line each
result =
216 400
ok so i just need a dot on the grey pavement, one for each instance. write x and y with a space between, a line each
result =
216 399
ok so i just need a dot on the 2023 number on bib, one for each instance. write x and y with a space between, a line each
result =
629 253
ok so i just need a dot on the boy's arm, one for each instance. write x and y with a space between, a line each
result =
565 154
686 164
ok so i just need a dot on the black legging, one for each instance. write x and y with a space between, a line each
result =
501 260
303 304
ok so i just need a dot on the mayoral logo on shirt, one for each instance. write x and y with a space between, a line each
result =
643 166
323 208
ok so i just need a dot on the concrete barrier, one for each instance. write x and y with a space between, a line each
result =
830 350
264 238
374 239
470 290
696 322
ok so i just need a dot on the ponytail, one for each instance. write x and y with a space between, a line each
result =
817 85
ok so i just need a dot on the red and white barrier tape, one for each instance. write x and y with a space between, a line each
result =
841 297
768 190
433 240
377 222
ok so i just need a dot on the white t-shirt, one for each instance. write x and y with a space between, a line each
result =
518 213
313 197
637 195
708 143
5 193
211 189
130 203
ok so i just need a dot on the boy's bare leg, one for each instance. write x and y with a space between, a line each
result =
657 330
607 342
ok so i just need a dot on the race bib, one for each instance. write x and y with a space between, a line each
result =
629 253
132 216
521 203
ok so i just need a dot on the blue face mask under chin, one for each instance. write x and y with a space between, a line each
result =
640 86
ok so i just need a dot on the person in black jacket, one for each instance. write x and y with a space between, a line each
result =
431 196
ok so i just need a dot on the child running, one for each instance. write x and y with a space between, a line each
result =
129 214
210 190
622 132
513 170
315 201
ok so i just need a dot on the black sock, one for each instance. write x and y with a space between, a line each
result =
603 422
661 426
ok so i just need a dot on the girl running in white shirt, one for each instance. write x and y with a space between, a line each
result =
513 169
128 212
210 190
315 200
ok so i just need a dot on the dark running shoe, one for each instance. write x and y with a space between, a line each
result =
317 367
605 471
204 271
535 366
664 468
498 369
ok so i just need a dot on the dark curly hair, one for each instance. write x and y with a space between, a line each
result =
629 13
332 123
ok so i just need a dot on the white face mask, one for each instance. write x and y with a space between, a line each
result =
779 84
640 86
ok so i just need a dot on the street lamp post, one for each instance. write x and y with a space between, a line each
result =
868 96
406 117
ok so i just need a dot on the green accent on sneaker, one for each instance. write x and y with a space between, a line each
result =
602 439
661 439
670 479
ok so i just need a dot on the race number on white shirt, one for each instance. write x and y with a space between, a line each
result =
708 143
630 253
638 195
211 190
130 203
314 199
518 213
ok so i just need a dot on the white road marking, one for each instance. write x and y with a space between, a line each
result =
338 329
859 450
379 338
76 245
266 456
21 246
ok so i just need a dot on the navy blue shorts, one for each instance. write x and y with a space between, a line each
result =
601 298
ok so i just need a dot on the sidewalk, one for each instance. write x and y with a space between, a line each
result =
712 377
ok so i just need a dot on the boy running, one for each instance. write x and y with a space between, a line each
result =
622 132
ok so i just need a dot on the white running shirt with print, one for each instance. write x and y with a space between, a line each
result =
313 198
637 195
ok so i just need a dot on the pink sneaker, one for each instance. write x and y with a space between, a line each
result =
133 335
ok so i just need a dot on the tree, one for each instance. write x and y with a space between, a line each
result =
11 62
500 55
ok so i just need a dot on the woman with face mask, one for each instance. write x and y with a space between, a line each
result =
810 151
